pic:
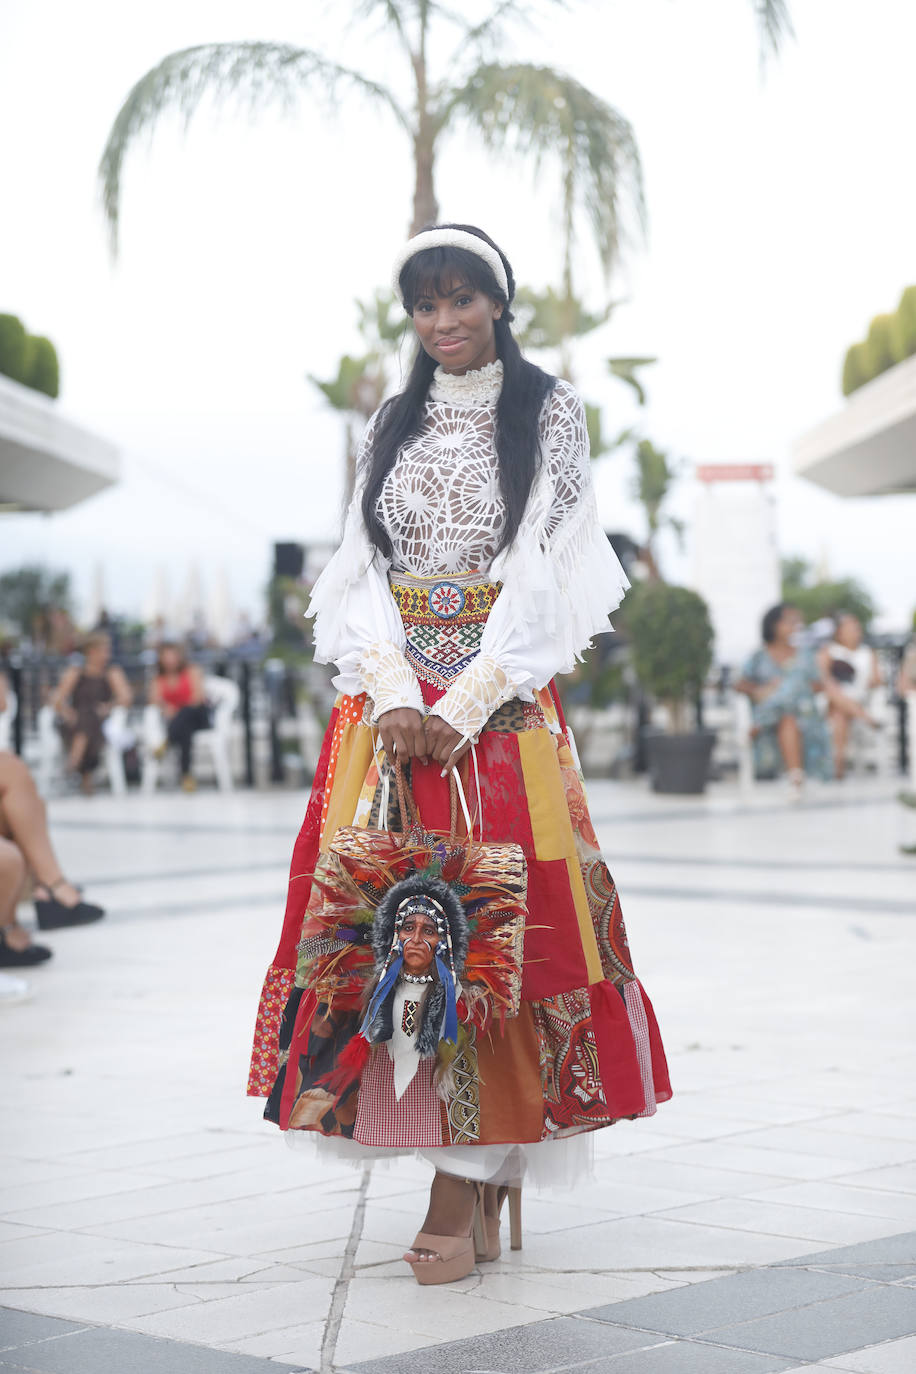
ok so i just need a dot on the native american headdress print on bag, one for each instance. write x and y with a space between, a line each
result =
349 955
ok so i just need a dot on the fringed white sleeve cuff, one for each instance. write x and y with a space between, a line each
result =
475 694
389 679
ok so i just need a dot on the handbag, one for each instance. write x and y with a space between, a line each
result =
348 956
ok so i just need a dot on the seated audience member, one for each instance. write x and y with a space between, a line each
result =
26 849
178 691
782 680
851 672
83 699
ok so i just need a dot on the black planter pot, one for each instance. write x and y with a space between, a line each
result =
679 763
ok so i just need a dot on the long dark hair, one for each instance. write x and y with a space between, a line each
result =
772 619
524 387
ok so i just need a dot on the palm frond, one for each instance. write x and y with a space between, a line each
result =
393 16
392 12
774 22
626 369
256 75
491 29
537 112
546 319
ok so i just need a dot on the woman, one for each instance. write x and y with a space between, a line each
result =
26 849
472 569
782 681
851 672
178 691
83 700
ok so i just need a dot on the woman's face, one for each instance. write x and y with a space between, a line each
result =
788 624
849 632
170 661
457 328
98 655
418 936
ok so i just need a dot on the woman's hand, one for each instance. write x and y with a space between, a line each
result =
443 743
402 734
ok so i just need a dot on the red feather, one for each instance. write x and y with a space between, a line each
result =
349 1067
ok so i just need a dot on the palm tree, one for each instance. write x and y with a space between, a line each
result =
519 107
655 476
361 383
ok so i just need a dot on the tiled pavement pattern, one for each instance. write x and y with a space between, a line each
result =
851 1308
762 1221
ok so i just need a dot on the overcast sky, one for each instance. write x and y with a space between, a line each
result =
782 217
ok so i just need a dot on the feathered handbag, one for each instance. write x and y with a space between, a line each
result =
368 882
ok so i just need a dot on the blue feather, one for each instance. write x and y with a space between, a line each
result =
378 997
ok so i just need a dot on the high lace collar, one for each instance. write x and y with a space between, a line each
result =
470 389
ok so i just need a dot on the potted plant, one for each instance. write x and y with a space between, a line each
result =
671 639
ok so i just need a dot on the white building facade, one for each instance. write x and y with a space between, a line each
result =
735 553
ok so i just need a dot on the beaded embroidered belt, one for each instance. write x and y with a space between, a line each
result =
443 621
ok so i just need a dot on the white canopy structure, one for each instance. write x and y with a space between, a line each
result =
869 447
48 463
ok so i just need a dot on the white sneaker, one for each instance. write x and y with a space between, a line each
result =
13 990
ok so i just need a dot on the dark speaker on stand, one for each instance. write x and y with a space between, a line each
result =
289 560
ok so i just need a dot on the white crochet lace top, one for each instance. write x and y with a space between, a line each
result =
442 510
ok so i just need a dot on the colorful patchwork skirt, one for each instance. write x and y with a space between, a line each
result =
584 1049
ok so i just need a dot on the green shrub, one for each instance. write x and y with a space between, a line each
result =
879 345
671 639
819 598
42 370
13 347
891 339
855 368
905 325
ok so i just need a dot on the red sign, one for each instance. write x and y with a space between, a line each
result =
735 472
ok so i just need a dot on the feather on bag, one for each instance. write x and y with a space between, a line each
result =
349 953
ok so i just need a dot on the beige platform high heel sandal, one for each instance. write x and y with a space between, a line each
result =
455 1255
487 1231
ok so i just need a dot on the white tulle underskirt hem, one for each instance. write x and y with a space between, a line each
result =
563 1161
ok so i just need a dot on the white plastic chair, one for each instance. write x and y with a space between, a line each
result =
223 697
868 747
910 704
744 743
118 737
51 750
7 716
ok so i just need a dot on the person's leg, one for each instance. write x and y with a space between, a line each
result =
16 947
790 743
12 879
77 752
450 1213
23 819
181 732
839 724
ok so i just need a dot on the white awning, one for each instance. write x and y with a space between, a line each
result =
869 448
47 462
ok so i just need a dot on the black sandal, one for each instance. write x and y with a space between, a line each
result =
21 958
53 914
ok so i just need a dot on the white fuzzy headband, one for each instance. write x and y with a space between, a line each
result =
449 238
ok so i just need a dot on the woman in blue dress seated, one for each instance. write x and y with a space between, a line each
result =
783 680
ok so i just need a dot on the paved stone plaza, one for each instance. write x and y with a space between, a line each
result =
765 1220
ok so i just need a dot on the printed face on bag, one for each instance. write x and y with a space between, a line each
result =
419 936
